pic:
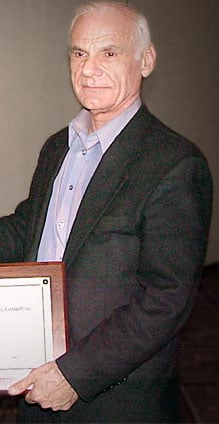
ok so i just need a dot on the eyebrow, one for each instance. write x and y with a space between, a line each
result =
72 48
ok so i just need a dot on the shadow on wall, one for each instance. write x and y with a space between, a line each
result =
199 353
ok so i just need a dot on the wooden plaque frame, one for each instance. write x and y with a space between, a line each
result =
55 271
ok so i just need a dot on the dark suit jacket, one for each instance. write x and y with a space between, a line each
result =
133 258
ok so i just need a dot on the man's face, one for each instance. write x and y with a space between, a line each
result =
106 76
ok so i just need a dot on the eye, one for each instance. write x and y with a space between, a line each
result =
75 53
110 54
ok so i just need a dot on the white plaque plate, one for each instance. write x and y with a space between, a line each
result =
25 327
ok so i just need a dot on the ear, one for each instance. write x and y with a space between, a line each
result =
148 61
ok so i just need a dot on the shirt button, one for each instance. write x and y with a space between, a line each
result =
61 224
70 187
84 152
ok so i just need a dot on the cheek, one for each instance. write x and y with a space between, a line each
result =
133 78
124 73
75 79
118 77
113 72
122 80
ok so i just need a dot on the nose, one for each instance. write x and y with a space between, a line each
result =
91 67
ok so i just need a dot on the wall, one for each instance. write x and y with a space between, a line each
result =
184 89
35 92
36 97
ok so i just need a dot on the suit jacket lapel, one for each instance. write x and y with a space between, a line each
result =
109 178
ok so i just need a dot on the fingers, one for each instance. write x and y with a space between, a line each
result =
34 396
46 401
46 386
29 398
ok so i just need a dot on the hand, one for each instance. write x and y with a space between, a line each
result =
46 386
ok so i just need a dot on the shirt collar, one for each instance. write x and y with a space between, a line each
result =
106 134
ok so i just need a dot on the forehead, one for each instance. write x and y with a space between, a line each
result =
99 27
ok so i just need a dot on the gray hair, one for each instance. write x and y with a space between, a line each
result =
141 28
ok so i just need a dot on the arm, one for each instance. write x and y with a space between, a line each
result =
13 230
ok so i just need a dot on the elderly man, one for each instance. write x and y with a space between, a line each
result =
126 203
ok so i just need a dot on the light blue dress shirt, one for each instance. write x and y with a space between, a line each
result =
83 157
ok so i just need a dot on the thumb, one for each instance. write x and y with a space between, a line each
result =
21 385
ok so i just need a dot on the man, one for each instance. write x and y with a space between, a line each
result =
126 203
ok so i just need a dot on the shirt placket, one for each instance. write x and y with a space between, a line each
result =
73 187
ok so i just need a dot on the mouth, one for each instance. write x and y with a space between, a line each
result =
91 87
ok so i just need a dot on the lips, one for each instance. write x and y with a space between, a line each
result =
91 87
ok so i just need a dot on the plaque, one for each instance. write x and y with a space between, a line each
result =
33 323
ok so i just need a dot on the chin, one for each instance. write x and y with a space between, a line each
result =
95 107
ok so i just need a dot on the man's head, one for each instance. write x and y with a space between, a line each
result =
110 52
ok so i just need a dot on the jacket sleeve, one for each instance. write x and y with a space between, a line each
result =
13 230
174 233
